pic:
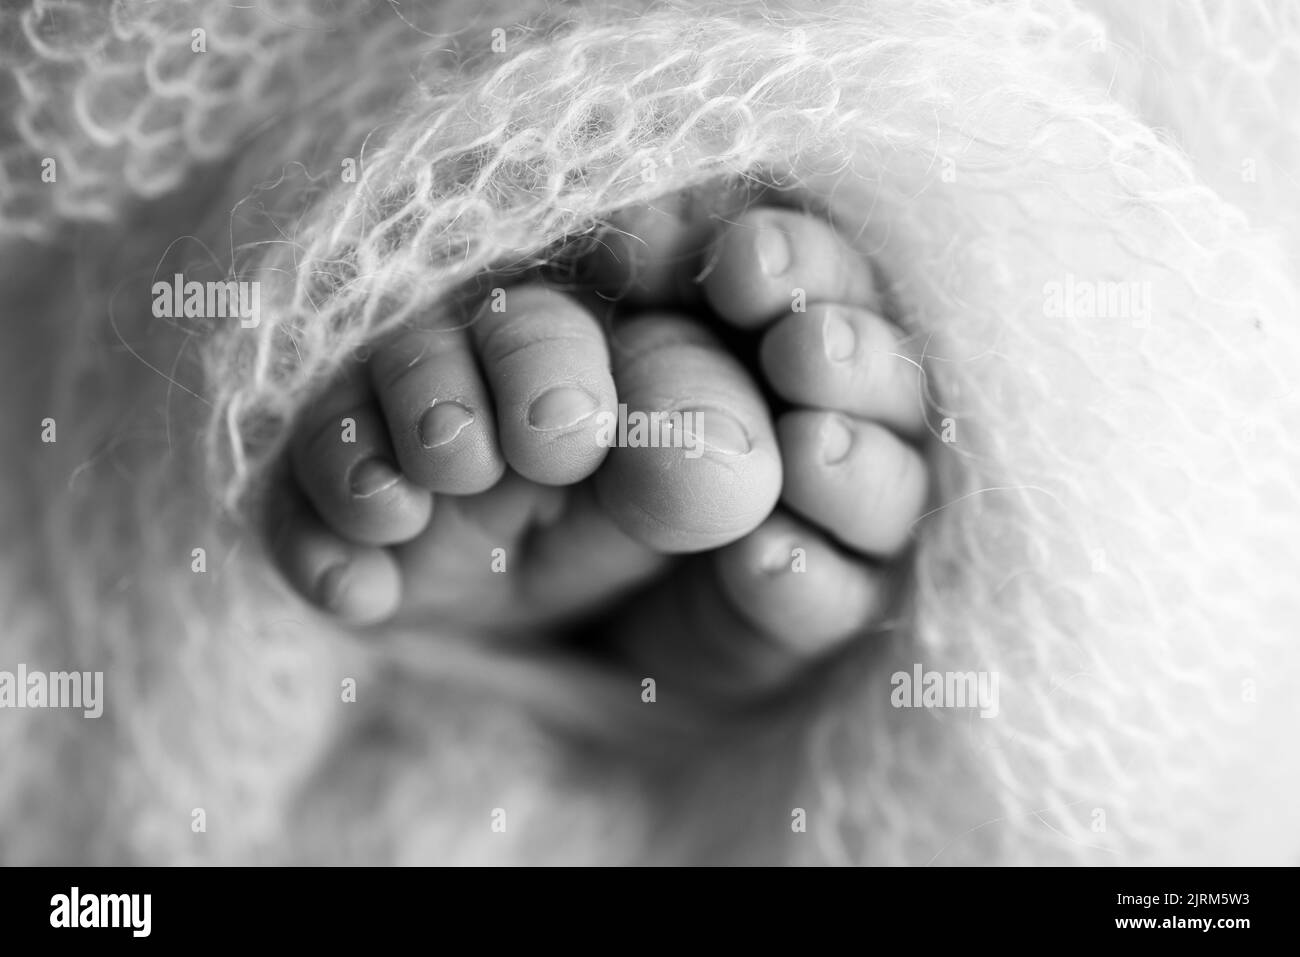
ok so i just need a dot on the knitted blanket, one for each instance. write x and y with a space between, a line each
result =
1084 214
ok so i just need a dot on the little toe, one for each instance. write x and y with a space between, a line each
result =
439 411
770 261
789 581
359 583
695 463
546 361
848 359
751 618
343 460
854 478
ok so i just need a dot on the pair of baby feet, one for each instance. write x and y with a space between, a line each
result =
471 473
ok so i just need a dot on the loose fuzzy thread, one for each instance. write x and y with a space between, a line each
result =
1112 530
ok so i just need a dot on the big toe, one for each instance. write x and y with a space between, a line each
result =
545 359
694 461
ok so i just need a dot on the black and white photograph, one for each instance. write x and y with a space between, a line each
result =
631 433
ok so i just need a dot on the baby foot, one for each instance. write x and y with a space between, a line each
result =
443 477
753 614
500 423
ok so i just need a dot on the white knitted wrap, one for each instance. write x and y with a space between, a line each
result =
1116 531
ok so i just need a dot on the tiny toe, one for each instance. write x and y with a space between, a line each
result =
770 261
652 254
695 463
856 479
848 359
789 581
546 361
343 460
439 411
359 583
749 619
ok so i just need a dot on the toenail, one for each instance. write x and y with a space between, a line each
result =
838 337
773 248
372 477
330 586
716 431
560 408
443 422
836 440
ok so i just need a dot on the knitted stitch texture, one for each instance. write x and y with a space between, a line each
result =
1115 530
